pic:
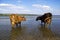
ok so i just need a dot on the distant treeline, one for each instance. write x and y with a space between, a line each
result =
54 16
19 14
4 14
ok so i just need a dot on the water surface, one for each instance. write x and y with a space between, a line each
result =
29 29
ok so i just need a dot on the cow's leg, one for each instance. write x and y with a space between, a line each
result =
45 25
19 23
16 24
41 22
50 21
50 24
13 24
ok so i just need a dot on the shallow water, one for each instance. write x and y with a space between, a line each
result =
29 29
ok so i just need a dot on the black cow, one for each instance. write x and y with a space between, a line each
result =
46 18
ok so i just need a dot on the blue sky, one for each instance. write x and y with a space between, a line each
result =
30 6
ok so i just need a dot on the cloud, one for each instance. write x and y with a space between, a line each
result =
41 9
42 6
10 8
36 9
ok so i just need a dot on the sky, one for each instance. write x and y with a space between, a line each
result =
30 6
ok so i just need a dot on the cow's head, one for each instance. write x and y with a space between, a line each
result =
21 18
38 18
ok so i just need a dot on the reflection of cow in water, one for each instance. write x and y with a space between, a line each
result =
46 33
16 20
46 18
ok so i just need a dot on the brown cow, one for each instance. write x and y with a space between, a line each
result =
16 19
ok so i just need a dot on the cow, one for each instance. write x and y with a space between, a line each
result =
46 18
16 19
